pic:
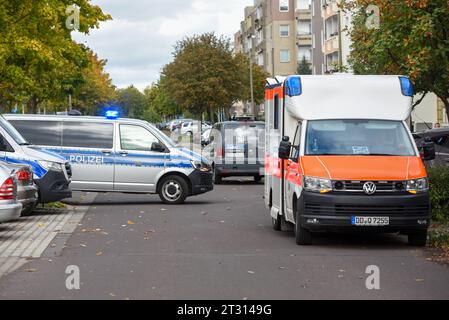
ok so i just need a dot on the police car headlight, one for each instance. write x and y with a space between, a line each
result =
53 166
201 166
317 185
417 185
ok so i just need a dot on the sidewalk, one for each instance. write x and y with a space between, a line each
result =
28 238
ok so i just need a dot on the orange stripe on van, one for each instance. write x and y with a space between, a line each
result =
364 168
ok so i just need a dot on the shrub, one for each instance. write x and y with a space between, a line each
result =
439 193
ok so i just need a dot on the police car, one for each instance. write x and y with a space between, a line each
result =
109 154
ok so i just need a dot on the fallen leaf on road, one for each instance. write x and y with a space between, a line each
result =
113 294
204 213
163 209
41 225
131 222
30 270
251 272
419 280
83 245
99 253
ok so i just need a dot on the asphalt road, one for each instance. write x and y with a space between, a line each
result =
218 246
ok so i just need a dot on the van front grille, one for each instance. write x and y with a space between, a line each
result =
381 186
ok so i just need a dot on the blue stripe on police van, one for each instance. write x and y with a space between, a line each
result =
37 169
99 153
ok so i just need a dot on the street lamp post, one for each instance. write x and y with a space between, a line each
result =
253 107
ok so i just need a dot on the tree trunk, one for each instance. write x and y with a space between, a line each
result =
445 100
211 115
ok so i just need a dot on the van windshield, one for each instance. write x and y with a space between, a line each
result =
12 132
358 137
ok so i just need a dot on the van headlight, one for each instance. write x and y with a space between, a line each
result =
418 185
317 185
201 166
50 166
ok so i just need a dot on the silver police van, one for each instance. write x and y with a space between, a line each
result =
119 155
51 172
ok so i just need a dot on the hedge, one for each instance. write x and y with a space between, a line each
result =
439 193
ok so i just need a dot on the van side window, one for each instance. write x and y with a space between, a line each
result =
4 145
276 112
41 133
136 138
88 135
296 147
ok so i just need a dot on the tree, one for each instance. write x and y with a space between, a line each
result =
131 102
412 40
204 75
97 88
259 80
38 58
159 101
304 67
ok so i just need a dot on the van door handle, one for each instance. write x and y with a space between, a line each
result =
106 152
123 153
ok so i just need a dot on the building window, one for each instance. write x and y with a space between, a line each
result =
303 4
284 5
304 52
284 31
285 56
304 27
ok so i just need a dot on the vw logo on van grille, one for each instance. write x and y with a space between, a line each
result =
370 188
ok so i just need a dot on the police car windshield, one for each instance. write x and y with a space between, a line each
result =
166 140
12 132
358 137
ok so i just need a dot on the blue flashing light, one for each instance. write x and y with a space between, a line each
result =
112 114
293 86
406 86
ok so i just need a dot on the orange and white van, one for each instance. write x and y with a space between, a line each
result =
340 156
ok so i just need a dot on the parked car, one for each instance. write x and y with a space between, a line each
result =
119 155
440 137
237 148
51 172
10 208
27 192
189 128
205 137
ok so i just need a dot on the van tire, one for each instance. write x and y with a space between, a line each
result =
303 236
417 239
258 179
217 178
173 190
28 210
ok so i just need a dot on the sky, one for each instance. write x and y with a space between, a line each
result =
139 40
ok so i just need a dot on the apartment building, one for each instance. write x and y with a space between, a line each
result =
276 34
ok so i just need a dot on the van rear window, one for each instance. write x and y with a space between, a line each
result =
42 133
88 135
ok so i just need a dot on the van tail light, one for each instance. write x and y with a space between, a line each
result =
220 152
7 190
24 176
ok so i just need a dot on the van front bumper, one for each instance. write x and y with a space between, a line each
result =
53 187
322 212
201 182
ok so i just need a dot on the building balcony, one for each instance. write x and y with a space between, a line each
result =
331 45
303 14
304 39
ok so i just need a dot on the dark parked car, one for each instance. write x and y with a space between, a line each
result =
441 139
237 148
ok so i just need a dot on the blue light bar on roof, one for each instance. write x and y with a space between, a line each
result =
112 114
406 86
293 86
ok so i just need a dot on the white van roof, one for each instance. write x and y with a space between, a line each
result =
350 97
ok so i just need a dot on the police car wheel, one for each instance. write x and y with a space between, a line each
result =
173 190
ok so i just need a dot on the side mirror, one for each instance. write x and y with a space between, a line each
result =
428 150
285 148
157 147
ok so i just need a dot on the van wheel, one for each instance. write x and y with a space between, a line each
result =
217 178
418 239
302 235
28 210
257 179
173 190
